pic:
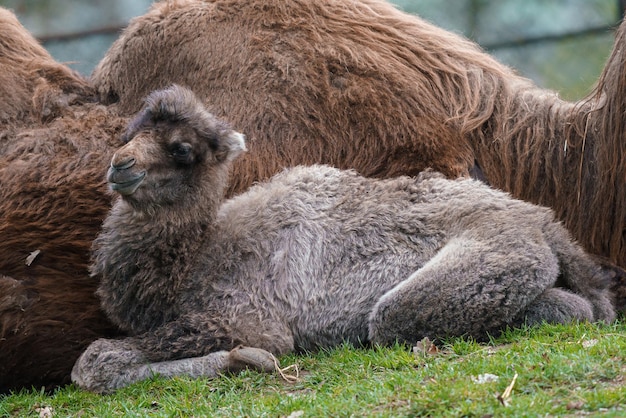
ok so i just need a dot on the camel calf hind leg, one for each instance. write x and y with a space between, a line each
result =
555 306
475 288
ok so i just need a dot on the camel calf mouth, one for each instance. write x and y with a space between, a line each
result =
124 182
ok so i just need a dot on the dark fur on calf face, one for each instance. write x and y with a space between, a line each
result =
178 106
169 148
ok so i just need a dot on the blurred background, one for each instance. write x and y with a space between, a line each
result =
560 44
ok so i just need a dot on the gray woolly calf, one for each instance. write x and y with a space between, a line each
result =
314 257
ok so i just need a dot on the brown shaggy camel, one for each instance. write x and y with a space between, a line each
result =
52 140
351 84
363 85
26 70
18 51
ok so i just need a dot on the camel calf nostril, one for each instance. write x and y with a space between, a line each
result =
122 165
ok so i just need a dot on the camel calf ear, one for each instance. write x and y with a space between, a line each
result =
231 146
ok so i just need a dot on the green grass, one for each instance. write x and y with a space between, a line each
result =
575 370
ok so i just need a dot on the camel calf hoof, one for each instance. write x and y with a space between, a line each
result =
241 358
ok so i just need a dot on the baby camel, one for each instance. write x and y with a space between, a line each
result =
314 257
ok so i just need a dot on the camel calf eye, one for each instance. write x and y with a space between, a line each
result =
181 152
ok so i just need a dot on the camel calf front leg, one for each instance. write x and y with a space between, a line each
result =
108 365
199 344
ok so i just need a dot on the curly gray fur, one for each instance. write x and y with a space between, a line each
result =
312 258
